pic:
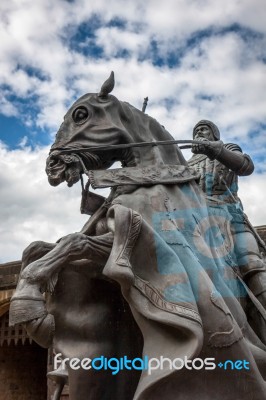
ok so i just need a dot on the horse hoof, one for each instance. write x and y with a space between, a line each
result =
27 303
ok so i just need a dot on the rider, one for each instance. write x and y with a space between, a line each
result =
219 166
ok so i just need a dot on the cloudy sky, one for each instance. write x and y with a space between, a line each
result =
195 59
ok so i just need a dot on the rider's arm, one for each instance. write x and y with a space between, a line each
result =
228 154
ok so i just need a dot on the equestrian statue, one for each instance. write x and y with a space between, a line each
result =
155 274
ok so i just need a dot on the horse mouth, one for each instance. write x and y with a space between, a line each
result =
68 167
59 170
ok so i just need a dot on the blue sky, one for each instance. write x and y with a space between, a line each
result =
195 59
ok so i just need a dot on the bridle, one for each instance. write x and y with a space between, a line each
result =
189 144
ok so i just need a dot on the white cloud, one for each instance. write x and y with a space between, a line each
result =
33 210
113 40
7 108
30 208
221 76
216 66
252 191
23 142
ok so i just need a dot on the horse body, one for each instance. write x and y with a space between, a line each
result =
96 321
153 250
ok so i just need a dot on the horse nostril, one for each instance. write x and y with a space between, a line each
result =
53 162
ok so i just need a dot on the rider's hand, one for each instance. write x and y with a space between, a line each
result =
200 148
209 148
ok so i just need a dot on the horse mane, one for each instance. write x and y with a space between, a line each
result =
149 129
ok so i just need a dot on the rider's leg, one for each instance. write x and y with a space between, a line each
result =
251 264
253 271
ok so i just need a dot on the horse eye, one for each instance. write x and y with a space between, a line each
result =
80 115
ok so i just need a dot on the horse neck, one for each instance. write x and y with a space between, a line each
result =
147 129
148 156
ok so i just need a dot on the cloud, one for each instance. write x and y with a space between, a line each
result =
252 191
194 59
30 208
7 108
33 210
120 42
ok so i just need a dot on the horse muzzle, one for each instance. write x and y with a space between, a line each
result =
61 167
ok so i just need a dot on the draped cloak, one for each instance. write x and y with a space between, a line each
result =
178 275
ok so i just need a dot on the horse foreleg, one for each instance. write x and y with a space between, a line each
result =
28 302
35 251
73 247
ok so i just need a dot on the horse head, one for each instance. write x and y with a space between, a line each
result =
97 119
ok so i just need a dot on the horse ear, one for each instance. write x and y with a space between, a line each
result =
107 86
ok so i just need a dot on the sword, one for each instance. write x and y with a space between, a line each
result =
145 102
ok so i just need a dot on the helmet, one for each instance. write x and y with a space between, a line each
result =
211 125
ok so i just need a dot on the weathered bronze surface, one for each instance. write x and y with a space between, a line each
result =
148 275
219 166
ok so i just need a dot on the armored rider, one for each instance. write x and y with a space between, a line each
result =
219 166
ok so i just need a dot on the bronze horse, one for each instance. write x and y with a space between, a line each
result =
145 276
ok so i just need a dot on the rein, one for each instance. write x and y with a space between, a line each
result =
103 147
187 145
